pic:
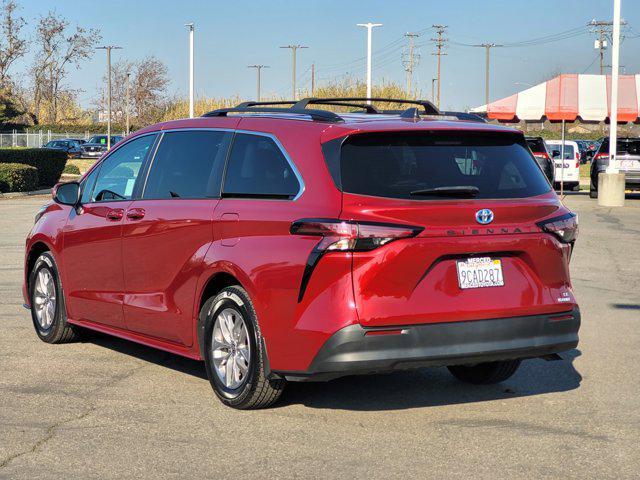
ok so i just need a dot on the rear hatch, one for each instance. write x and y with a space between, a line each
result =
479 251
628 154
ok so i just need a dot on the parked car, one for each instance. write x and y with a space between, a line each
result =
296 244
629 163
587 150
69 145
568 170
96 146
539 150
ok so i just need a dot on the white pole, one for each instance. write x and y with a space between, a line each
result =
369 26
615 63
191 81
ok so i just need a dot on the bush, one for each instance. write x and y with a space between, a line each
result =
71 169
50 163
17 177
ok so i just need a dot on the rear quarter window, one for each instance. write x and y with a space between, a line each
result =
394 165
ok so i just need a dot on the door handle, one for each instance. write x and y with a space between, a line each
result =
115 214
135 213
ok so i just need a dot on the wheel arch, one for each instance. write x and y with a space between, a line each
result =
216 282
36 249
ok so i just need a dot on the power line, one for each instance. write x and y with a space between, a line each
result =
410 60
258 74
294 49
440 42
487 47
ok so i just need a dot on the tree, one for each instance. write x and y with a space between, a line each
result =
148 80
12 45
59 47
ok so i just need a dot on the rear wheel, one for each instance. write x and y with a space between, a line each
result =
48 311
593 188
485 373
234 355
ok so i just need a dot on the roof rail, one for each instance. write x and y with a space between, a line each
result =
300 107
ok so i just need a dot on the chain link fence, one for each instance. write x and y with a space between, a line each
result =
35 139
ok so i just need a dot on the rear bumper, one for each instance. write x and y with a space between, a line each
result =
354 350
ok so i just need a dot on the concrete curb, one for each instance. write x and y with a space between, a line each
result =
44 191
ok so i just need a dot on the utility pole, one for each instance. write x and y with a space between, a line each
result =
369 26
294 49
191 28
108 48
440 43
313 79
603 30
258 72
487 47
410 61
128 101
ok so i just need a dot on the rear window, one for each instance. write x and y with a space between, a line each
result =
395 165
625 147
536 145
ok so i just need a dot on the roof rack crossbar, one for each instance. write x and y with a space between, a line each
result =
323 115
429 108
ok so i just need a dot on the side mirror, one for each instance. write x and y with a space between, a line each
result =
555 153
67 193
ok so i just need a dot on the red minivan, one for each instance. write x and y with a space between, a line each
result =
279 242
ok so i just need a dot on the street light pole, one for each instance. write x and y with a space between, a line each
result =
191 28
611 183
369 26
108 48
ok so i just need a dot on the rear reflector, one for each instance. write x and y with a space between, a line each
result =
560 318
383 332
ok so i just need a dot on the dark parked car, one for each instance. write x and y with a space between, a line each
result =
298 244
69 145
588 149
541 154
97 145
628 160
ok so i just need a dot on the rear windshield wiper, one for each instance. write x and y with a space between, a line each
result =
451 191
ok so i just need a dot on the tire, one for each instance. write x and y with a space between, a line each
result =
485 373
593 193
247 387
49 321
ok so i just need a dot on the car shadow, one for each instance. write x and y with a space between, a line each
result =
430 387
148 354
426 387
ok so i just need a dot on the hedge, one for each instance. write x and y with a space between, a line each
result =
71 169
17 177
50 163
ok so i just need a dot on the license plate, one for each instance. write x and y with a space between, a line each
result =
479 273
629 164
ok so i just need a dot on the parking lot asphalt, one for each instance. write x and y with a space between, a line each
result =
106 408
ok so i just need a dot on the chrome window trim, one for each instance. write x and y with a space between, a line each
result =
105 156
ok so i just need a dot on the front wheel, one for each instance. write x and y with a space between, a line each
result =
48 311
485 373
234 355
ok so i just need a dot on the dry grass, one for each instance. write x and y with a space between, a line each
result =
82 164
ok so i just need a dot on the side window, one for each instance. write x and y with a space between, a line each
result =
188 164
257 168
87 185
119 171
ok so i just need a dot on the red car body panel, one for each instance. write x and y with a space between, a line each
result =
155 268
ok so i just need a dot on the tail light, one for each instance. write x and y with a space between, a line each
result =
602 156
345 236
564 227
577 160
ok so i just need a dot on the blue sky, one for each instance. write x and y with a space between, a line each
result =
233 34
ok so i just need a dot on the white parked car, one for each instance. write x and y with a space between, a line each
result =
569 169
